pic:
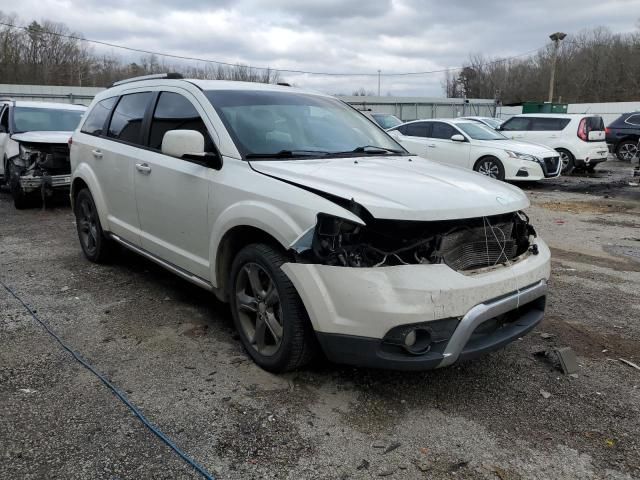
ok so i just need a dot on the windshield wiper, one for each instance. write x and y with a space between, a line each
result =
288 154
371 149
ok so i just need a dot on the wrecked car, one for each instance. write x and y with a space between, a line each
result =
34 148
322 232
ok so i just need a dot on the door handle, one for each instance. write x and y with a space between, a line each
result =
96 153
143 168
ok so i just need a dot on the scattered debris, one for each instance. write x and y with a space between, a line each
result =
386 471
631 364
545 394
392 447
378 444
458 466
424 465
610 442
568 360
546 335
364 465
64 289
27 390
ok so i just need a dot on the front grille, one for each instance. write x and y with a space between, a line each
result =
478 247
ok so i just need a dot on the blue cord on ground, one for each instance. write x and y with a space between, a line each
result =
200 469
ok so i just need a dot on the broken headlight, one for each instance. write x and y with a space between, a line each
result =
28 155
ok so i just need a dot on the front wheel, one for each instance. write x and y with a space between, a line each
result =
568 161
21 199
491 167
267 311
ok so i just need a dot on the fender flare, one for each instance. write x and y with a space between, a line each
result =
262 216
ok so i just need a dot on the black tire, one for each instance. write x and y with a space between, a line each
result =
491 167
627 150
297 344
21 199
97 247
568 161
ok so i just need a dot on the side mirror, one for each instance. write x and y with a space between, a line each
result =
458 138
189 145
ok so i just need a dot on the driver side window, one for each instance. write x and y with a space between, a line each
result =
175 112
4 120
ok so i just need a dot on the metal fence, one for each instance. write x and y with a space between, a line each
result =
50 93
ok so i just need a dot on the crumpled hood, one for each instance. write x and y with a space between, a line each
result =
42 137
402 188
529 148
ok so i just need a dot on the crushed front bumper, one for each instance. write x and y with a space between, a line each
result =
30 183
355 310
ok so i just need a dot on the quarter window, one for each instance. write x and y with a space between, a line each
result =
126 123
175 112
442 130
633 120
98 116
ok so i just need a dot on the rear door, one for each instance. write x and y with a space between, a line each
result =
172 194
113 154
444 150
516 127
546 130
413 137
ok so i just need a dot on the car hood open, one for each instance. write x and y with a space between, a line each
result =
402 188
42 137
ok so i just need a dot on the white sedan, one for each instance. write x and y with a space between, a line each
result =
469 144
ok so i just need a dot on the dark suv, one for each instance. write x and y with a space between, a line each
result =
623 135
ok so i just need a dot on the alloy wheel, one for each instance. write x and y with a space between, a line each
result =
259 309
564 158
88 226
628 151
489 168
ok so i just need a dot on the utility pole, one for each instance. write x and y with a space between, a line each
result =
379 82
556 37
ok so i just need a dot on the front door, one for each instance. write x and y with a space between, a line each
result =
172 194
445 150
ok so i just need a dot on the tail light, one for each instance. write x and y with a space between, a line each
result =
70 141
583 132
607 130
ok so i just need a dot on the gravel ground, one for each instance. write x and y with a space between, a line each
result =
172 349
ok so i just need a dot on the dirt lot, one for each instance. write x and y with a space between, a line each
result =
172 349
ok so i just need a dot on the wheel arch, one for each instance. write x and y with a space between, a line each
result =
83 177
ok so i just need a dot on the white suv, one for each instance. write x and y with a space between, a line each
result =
319 229
34 151
578 138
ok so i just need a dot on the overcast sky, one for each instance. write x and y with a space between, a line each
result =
334 35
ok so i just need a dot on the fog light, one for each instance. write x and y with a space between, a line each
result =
417 341
410 338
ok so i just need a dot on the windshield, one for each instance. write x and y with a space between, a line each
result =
294 125
33 119
492 122
477 131
386 121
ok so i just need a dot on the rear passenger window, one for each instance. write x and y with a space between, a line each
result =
94 123
633 120
442 130
418 129
175 112
126 123
548 124
516 124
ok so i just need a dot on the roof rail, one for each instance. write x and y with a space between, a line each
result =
170 76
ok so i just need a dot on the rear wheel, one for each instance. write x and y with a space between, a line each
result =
568 161
96 246
627 150
491 167
267 311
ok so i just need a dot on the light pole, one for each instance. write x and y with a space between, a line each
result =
379 82
556 37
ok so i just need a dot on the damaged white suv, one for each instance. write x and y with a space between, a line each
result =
319 229
34 150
